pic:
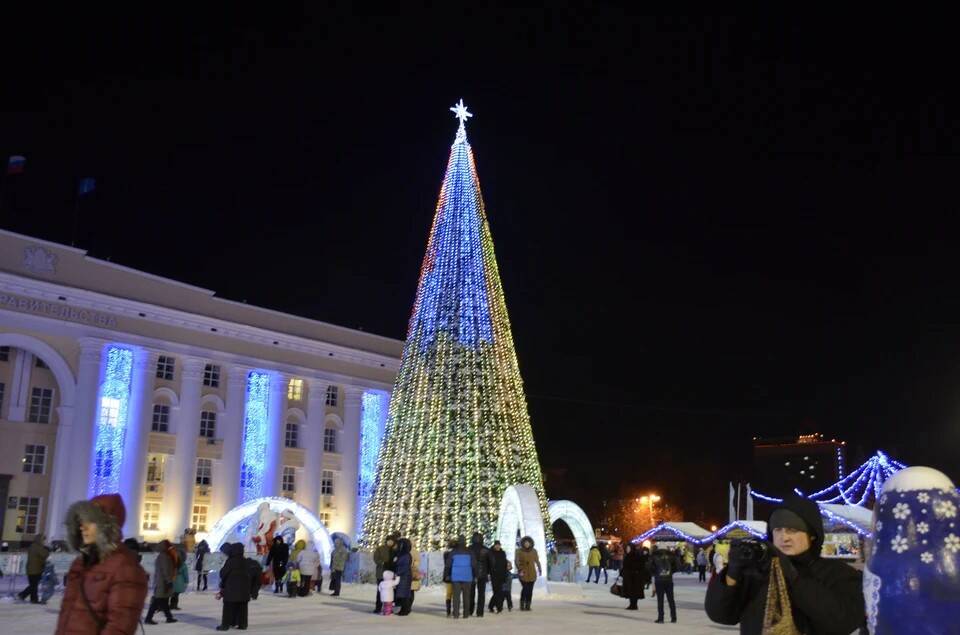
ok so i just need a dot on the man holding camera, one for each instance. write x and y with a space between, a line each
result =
825 596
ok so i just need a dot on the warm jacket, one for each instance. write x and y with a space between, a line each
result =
826 595
338 560
383 559
481 554
701 558
112 580
527 560
37 556
163 573
662 565
404 570
387 585
634 573
278 556
308 560
593 558
298 546
462 565
201 552
255 570
498 567
182 578
235 583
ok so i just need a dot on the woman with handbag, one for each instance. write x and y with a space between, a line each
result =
633 575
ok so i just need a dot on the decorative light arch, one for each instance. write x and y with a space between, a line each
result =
571 513
520 512
314 526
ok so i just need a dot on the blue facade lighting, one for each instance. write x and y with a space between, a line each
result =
113 406
255 430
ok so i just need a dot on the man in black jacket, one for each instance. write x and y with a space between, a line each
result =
663 565
826 595
478 590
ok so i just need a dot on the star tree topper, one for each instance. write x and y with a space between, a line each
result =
460 112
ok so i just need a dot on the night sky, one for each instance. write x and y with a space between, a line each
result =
708 229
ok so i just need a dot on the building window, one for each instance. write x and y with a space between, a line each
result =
293 435
332 394
295 390
211 376
40 401
28 515
4 353
325 518
165 367
40 363
151 516
109 411
161 418
329 440
155 468
34 459
289 479
208 424
3 388
198 521
326 483
204 471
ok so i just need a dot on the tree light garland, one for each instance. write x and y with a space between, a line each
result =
458 431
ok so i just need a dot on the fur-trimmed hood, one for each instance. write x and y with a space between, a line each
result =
108 512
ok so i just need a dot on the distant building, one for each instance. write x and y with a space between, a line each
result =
808 462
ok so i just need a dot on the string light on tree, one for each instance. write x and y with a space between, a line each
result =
458 431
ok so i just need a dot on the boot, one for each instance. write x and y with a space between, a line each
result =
449 602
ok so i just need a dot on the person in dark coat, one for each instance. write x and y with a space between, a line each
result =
37 556
498 576
404 572
826 596
634 574
235 587
663 565
201 552
604 562
164 570
478 591
383 557
278 556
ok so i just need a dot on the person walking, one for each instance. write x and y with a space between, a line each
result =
528 568
338 562
498 576
604 561
593 561
292 579
308 560
200 553
278 557
383 560
235 589
447 583
462 571
106 588
478 590
182 578
633 574
37 556
663 566
164 571
404 574
702 565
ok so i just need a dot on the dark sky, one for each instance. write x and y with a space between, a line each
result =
707 228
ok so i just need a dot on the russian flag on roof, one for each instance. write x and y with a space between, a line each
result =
16 164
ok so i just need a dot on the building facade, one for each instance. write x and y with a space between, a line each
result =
808 462
112 379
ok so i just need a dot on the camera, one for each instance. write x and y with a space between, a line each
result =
751 552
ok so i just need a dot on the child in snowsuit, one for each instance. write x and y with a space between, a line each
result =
48 583
386 591
292 579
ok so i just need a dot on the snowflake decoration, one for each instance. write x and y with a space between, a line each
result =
945 509
952 542
901 511
899 544
883 499
926 557
923 497
879 525
923 528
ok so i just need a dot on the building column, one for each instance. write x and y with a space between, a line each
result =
182 470
59 477
19 395
79 446
228 489
313 444
133 472
273 466
350 457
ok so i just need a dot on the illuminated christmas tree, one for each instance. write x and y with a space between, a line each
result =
458 431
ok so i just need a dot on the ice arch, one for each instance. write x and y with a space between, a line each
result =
520 514
318 533
570 513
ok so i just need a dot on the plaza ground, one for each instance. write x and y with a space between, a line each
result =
574 609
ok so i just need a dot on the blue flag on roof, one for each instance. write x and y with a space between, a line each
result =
87 185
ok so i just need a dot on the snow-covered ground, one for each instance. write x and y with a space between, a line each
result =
571 608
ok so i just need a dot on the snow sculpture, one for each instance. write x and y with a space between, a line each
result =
520 516
911 582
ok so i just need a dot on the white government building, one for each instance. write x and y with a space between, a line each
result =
113 379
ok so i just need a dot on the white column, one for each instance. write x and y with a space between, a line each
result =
273 466
80 450
60 474
350 457
136 442
228 489
182 470
313 444
20 386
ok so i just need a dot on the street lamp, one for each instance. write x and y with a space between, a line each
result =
650 500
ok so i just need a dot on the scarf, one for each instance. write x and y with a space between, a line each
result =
777 615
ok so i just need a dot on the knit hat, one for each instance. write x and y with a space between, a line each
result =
785 519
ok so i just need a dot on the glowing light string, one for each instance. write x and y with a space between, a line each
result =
112 415
255 430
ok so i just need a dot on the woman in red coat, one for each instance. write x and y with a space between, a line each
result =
105 587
